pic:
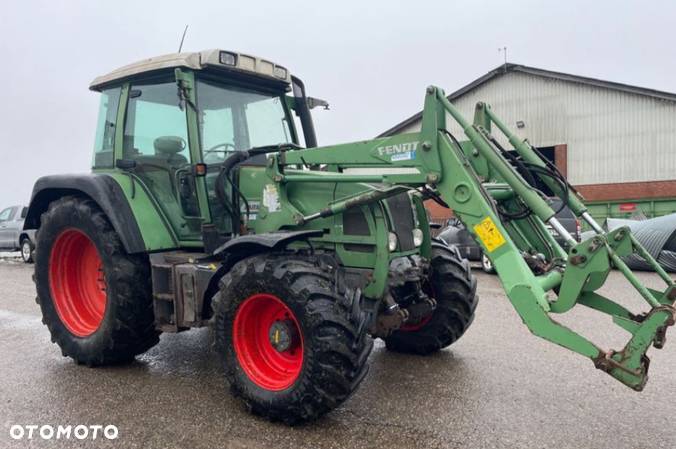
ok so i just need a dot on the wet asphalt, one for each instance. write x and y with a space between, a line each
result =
497 387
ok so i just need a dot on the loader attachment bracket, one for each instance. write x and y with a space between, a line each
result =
630 366
587 265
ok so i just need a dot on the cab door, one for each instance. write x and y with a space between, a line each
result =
156 138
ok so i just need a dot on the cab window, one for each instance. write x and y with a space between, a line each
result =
236 119
105 128
156 125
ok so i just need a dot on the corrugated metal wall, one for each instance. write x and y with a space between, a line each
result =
612 136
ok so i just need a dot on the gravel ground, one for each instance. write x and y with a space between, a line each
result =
498 387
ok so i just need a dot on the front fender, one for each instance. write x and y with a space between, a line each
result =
270 241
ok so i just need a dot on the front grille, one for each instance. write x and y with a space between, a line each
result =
401 214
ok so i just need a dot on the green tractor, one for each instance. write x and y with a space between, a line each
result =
210 204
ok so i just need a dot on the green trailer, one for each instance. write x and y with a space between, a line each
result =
631 208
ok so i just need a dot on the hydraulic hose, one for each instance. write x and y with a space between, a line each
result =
226 167
527 169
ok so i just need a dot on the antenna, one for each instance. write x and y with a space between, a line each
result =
185 30
501 50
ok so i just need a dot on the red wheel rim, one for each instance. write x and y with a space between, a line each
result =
266 366
77 282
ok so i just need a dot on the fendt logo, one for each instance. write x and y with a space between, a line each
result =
397 148
78 432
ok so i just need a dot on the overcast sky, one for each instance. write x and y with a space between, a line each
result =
371 59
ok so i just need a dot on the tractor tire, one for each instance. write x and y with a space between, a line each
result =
292 338
453 286
96 300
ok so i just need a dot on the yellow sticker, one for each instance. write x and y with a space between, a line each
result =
489 234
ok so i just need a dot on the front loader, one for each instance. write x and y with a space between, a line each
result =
210 204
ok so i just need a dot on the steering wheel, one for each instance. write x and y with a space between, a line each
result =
215 149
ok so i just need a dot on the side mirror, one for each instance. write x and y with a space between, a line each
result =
314 102
303 111
24 212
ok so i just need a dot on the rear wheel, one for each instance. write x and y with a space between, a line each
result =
27 250
291 336
96 300
453 286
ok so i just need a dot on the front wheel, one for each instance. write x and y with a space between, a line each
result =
95 298
453 286
292 338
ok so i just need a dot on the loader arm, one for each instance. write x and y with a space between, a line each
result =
505 214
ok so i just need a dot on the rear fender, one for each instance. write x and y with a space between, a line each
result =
135 219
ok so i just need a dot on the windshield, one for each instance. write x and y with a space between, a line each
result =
236 119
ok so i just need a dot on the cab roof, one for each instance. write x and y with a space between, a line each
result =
201 60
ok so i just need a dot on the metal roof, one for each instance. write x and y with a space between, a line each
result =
193 60
509 67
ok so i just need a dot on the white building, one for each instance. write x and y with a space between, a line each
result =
616 143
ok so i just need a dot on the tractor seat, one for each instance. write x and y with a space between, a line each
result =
167 148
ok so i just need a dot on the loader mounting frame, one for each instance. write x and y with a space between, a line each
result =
506 216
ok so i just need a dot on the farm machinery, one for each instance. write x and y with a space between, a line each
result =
210 204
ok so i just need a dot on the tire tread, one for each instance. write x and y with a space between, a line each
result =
456 297
333 320
132 330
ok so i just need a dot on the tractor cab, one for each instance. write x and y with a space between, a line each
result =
172 121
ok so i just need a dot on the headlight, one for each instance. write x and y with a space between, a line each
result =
392 241
280 72
228 58
417 237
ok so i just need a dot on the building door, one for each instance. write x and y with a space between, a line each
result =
550 154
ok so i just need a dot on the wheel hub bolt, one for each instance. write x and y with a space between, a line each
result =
282 335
